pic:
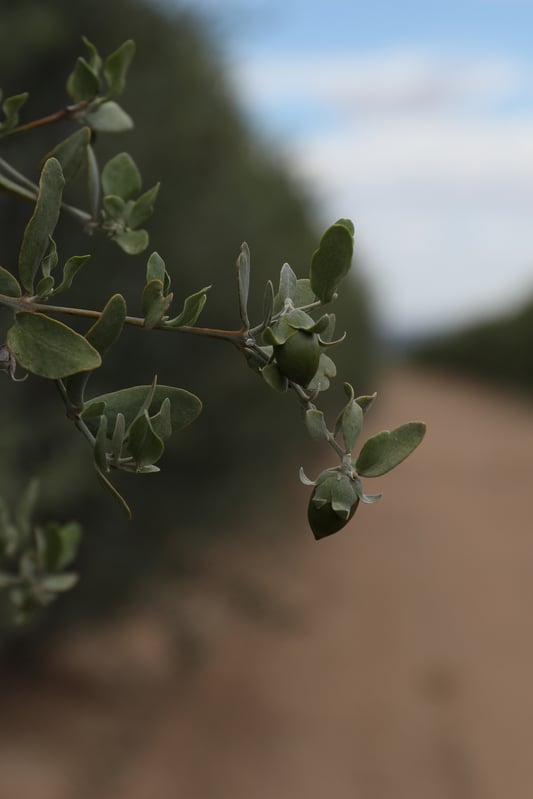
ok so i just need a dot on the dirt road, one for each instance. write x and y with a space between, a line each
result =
392 661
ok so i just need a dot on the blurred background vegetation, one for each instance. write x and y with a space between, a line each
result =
497 350
236 468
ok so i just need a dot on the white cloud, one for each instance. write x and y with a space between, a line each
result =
423 152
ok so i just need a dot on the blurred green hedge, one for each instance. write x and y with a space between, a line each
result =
498 350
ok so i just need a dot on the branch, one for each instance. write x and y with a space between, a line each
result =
64 113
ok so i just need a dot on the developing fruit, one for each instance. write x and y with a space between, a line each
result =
299 356
332 504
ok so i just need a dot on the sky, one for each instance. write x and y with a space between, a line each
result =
415 119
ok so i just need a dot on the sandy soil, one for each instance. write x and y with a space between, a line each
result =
392 661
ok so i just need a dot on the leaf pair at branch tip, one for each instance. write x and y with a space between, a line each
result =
85 81
121 182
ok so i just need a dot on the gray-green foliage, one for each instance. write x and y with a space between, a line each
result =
34 558
127 429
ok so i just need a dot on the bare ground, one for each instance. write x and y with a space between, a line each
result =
392 661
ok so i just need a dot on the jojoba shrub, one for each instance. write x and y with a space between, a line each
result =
51 336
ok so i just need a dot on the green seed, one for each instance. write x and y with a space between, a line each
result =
299 356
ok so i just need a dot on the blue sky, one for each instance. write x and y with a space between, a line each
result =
416 120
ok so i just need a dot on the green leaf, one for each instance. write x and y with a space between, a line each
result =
185 407
95 60
268 303
192 308
9 284
117 439
132 242
71 153
116 67
162 421
286 289
70 270
326 372
100 445
350 420
327 334
331 262
49 348
62 544
93 182
366 401
143 207
108 327
94 411
275 339
155 268
352 424
115 207
348 224
300 320
154 303
49 262
121 176
343 497
45 287
145 446
42 223
303 294
57 583
368 499
83 82
384 451
243 283
109 118
274 378
147 399
11 108
316 424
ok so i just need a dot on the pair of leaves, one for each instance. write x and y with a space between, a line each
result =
157 298
51 349
33 559
101 336
297 290
85 81
132 425
121 182
99 83
130 402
